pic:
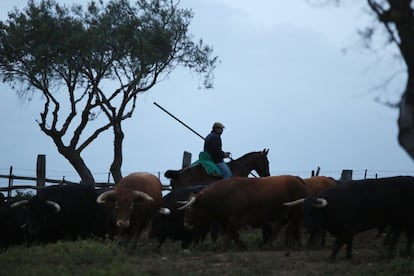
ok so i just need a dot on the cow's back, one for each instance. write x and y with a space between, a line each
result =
143 182
252 197
365 204
317 184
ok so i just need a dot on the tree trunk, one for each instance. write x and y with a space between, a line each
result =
117 163
83 171
78 164
406 118
74 159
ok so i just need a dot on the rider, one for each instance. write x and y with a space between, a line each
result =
212 145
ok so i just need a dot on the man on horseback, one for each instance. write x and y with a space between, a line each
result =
212 145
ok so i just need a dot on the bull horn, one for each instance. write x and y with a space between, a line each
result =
320 203
164 211
102 198
188 204
19 203
293 203
54 205
139 194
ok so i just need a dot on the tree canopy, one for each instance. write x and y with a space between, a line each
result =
71 54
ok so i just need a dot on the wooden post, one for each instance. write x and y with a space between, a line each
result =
186 159
40 171
9 190
318 171
346 175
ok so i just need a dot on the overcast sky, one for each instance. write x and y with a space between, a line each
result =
292 78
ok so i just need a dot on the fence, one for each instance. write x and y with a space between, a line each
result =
40 183
41 180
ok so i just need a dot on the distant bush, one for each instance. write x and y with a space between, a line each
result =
24 194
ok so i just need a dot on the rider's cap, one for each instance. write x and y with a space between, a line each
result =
218 125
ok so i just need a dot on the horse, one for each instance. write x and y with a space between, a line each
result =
241 166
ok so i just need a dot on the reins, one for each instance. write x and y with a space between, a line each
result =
242 166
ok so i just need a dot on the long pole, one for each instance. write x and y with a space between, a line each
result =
184 124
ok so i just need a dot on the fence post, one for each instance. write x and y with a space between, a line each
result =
318 170
186 159
346 175
10 183
40 171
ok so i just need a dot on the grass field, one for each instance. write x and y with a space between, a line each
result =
92 257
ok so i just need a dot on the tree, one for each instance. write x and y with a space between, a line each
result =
397 19
73 56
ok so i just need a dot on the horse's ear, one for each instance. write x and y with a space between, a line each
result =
266 151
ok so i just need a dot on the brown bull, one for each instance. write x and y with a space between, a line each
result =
135 199
238 202
315 185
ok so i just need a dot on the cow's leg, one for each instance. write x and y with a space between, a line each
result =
293 233
322 234
409 236
275 229
339 242
266 232
348 241
313 235
395 235
317 237
233 228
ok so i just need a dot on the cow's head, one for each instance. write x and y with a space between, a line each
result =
124 202
38 213
193 215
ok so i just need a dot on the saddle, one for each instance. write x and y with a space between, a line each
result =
209 166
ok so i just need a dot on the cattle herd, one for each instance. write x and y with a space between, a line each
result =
135 210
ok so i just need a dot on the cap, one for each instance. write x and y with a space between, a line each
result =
218 125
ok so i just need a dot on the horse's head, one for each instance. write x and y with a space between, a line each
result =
262 163
256 161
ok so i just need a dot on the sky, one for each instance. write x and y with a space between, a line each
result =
293 78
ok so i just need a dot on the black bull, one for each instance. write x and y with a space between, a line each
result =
355 206
171 226
62 212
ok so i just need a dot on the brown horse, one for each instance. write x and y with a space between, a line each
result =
242 166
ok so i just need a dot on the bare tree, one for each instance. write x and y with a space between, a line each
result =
396 17
91 64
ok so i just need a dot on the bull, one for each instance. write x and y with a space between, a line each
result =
247 202
355 206
171 226
60 212
12 221
134 200
314 186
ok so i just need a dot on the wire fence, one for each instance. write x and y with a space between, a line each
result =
12 181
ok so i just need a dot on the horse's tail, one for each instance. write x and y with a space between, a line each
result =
171 174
